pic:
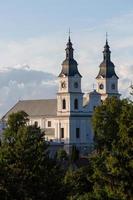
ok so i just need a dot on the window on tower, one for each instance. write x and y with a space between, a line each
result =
76 84
101 86
62 133
64 104
77 133
113 86
76 104
49 123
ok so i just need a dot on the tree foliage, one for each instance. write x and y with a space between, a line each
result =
61 155
26 171
110 170
77 182
113 162
74 154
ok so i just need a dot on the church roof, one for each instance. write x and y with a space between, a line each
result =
42 107
69 65
107 68
69 68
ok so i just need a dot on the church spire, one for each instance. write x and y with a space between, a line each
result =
107 68
106 52
69 49
69 65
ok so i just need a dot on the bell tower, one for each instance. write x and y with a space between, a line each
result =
69 96
73 124
107 80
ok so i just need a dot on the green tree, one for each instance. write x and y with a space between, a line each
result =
106 123
62 155
16 120
74 154
110 170
26 171
77 182
113 162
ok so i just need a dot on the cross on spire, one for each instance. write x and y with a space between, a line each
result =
69 49
69 33
106 36
106 52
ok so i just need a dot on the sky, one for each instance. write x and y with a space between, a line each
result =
33 37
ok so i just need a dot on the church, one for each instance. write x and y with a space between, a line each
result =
66 120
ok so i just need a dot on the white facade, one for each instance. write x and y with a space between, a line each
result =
107 87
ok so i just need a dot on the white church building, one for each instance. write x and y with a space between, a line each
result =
67 118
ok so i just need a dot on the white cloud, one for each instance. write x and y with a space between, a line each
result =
39 53
16 84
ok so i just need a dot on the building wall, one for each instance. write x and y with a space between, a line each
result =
110 82
62 123
69 98
108 89
84 124
93 99
70 125
69 84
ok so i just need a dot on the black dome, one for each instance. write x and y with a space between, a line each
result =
69 65
69 68
107 70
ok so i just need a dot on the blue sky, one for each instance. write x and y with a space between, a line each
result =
33 18
33 36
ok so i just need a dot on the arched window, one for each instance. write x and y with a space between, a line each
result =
62 132
36 124
77 133
49 123
64 104
76 104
